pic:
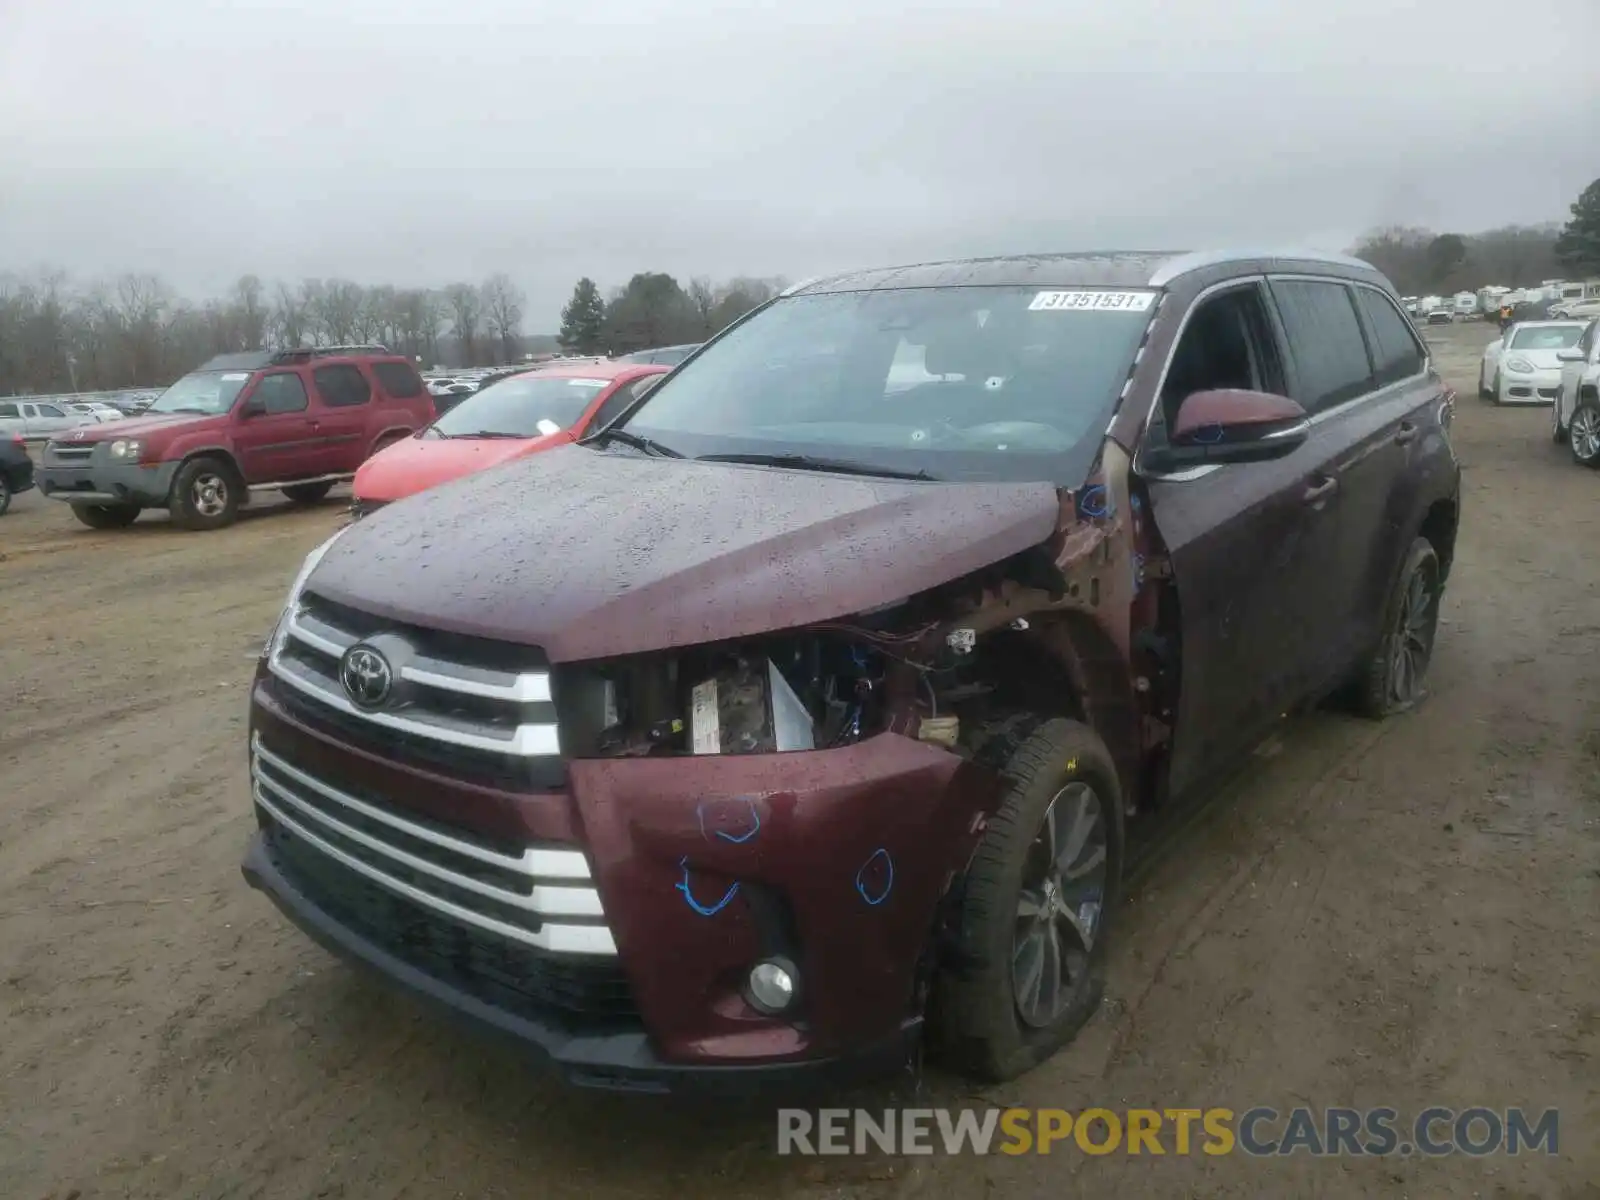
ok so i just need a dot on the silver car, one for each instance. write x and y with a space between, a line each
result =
1575 416
38 419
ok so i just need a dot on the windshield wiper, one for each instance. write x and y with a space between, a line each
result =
489 433
807 462
631 439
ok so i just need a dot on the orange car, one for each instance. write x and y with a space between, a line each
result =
519 415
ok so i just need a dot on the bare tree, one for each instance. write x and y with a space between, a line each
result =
250 313
502 308
290 323
704 298
465 307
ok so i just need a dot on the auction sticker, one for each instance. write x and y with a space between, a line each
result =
1092 301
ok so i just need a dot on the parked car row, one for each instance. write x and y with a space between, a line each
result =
1555 363
793 715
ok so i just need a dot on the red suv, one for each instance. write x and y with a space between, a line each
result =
295 421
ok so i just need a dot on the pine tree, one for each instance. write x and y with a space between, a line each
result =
583 320
1578 247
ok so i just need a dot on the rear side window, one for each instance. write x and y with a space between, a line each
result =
399 379
1325 339
342 385
1394 345
8 410
281 393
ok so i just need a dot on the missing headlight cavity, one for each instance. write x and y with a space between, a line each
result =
807 691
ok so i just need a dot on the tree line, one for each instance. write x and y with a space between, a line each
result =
653 309
1421 261
136 331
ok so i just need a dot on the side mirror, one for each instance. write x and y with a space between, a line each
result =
1233 426
1570 355
253 407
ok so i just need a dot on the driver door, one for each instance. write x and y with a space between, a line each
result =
275 444
1250 544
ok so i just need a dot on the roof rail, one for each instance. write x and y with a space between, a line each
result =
305 353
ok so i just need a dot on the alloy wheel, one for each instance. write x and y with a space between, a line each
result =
1584 433
210 494
1412 645
1060 906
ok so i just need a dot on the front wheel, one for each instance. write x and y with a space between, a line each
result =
1029 964
1494 388
106 516
5 495
205 494
1583 433
1483 386
1391 681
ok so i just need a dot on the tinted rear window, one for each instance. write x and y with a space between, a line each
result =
342 385
1395 347
399 379
1325 339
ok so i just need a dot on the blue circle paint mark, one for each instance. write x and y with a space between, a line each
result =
875 882
1208 435
705 910
1093 502
736 839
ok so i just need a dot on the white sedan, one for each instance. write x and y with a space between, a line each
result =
1575 418
1522 367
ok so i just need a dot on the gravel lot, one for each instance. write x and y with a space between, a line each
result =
1399 914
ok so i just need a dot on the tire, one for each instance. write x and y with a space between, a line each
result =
1583 433
1392 679
1494 388
205 494
989 1022
308 493
1483 388
106 516
1558 431
5 495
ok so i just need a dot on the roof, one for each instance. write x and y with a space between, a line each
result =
1115 268
250 360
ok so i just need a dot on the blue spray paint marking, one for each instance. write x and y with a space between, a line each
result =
1135 503
888 880
1208 435
1093 502
755 824
705 910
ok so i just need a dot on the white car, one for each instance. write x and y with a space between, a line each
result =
95 411
1522 366
1575 416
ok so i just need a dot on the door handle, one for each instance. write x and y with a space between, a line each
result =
1408 431
1320 491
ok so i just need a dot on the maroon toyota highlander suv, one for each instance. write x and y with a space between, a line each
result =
795 717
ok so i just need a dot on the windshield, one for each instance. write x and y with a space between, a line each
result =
1547 337
972 382
525 407
208 392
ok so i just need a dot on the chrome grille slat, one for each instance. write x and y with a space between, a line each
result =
542 900
307 658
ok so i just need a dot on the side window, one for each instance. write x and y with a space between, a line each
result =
1325 338
341 385
281 393
8 410
1228 342
1587 342
1394 344
50 410
399 379
620 399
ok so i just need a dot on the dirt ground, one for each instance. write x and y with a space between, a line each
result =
1400 914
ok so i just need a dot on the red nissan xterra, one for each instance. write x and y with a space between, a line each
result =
295 421
794 718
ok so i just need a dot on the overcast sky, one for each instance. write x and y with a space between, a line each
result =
420 141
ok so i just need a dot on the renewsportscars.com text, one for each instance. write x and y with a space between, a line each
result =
1258 1132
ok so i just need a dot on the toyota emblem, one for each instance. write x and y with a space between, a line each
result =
367 677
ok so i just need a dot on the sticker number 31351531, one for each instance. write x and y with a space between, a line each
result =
1093 301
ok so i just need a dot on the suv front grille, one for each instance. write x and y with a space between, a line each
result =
66 454
532 898
479 709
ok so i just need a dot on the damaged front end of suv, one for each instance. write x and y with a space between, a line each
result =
692 755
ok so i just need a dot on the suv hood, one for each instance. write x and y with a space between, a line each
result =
132 427
589 553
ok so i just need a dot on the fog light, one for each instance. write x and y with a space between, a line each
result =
773 985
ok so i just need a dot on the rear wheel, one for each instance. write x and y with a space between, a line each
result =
5 495
1392 680
1583 433
106 516
205 494
308 493
1029 967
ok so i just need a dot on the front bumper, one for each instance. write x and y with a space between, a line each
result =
1529 387
610 1061
691 896
64 473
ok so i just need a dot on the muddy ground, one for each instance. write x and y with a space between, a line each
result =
1399 914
